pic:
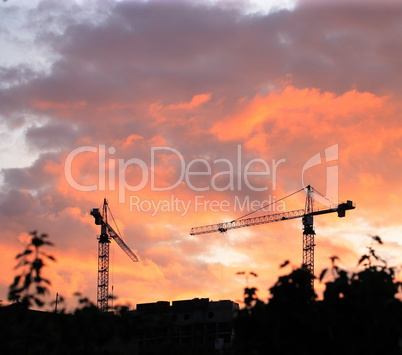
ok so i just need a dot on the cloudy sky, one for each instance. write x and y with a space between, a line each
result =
187 113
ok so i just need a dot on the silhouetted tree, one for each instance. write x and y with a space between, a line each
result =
30 286
358 315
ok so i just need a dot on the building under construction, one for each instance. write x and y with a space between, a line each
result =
198 324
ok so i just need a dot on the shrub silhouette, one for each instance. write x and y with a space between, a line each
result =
87 330
359 313
29 286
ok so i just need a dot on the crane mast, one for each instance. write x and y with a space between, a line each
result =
103 263
104 240
307 214
308 234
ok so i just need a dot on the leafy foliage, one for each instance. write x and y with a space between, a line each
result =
359 313
29 287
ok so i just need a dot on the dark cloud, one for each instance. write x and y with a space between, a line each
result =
54 135
17 203
161 50
16 75
35 177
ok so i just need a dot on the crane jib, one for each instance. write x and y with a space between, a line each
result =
307 214
225 226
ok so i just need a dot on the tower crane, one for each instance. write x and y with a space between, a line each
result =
105 237
307 214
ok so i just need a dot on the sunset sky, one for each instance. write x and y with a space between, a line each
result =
201 111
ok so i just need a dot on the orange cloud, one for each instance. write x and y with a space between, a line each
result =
203 99
293 111
196 101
